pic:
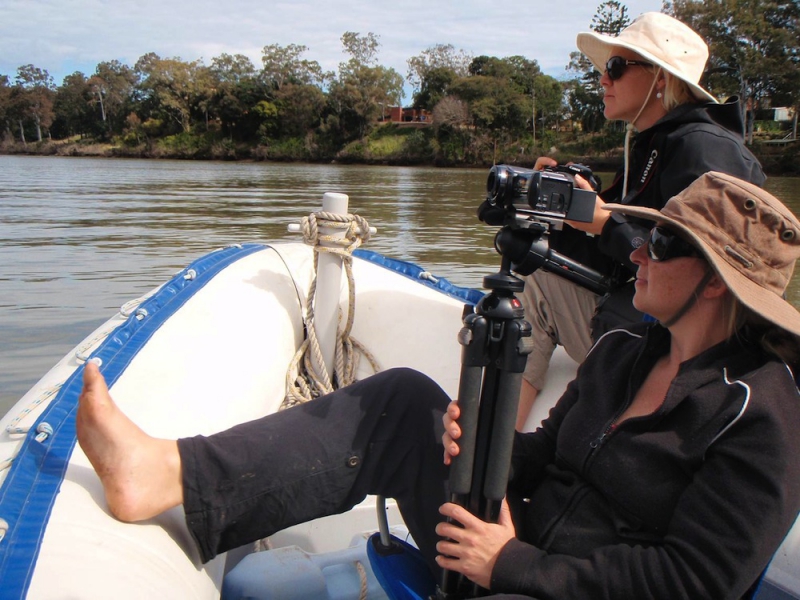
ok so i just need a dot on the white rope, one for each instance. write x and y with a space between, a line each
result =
362 577
42 431
83 351
629 132
304 381
12 428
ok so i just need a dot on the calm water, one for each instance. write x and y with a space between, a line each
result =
80 237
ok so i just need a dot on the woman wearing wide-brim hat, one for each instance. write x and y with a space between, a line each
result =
651 76
668 469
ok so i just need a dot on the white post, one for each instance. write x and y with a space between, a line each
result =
329 285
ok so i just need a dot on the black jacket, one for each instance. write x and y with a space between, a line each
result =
687 142
689 502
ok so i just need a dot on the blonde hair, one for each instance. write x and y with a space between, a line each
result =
676 92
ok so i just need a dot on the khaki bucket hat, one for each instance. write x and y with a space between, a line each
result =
748 236
659 39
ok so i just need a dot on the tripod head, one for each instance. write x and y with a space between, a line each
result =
527 204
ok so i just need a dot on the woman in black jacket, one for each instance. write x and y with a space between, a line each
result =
650 81
667 470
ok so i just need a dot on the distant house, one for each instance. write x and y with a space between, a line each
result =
398 114
782 114
785 119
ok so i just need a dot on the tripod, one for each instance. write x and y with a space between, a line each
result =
496 341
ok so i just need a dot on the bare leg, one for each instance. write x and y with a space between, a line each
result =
141 475
527 397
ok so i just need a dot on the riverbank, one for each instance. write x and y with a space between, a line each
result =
778 160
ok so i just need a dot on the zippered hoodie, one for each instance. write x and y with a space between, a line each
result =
689 141
688 502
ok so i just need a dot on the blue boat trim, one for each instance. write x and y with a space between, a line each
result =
30 488
32 484
413 271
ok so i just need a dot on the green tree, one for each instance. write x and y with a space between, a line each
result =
548 95
434 87
491 66
268 114
111 88
363 88
237 89
295 89
36 98
300 107
172 87
363 49
232 69
431 71
494 104
530 97
526 77
283 64
72 107
451 120
758 41
5 106
585 94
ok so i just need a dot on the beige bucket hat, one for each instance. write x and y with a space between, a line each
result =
657 38
748 236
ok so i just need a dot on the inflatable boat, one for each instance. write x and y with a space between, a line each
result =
206 350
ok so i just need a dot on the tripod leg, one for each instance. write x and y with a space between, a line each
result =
517 344
499 459
473 358
496 341
473 340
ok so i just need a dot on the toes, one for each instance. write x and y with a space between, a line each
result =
93 381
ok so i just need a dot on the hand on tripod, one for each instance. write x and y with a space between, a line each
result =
472 548
452 431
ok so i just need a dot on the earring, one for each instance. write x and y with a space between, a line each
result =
659 95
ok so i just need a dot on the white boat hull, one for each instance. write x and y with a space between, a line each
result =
201 355
203 352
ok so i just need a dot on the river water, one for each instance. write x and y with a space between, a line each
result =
79 237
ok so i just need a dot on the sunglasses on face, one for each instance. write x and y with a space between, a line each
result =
664 245
616 66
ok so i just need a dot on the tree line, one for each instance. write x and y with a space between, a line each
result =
288 107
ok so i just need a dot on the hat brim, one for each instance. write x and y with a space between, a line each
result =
762 302
597 47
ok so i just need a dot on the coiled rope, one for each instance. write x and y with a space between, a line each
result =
304 380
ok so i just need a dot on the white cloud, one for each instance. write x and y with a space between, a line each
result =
64 36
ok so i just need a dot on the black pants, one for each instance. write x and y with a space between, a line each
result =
381 436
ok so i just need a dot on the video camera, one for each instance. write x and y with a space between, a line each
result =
546 195
527 203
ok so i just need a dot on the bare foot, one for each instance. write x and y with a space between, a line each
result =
141 475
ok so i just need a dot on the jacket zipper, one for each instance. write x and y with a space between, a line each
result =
598 441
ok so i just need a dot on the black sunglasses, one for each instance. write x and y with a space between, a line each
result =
664 245
616 66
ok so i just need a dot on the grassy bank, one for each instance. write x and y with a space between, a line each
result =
386 145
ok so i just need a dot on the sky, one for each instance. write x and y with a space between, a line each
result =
64 36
